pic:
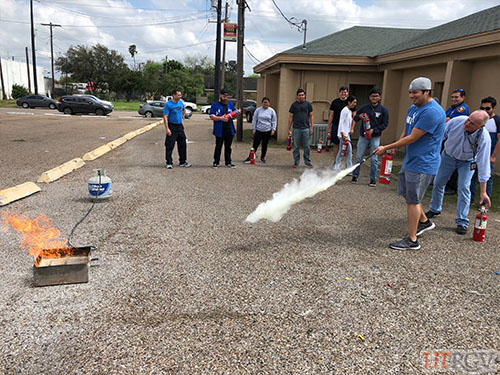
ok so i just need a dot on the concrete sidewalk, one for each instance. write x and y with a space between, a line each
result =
187 287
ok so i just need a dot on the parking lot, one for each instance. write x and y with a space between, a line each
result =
186 286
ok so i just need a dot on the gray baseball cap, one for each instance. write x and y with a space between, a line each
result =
421 83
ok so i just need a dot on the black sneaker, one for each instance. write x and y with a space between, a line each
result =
422 227
186 165
354 180
372 183
247 160
430 214
405 244
230 165
215 165
263 161
461 229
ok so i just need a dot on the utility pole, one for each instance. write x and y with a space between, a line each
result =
217 52
223 67
52 54
33 48
4 96
166 64
239 80
28 69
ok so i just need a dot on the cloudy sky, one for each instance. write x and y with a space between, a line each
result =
184 28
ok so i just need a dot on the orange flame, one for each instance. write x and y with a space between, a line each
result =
36 234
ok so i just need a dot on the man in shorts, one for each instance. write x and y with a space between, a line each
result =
422 137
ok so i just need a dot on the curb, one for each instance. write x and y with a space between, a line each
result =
28 188
63 169
17 192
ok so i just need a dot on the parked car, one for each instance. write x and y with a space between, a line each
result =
249 107
96 98
189 106
81 104
33 101
154 108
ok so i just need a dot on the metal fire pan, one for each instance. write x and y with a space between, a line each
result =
63 266
64 256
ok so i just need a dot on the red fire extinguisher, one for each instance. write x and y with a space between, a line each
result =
289 142
252 156
232 114
480 225
327 143
345 145
320 146
386 168
367 124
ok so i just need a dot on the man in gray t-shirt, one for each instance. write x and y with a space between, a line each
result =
301 116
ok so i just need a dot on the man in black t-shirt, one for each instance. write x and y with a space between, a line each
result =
334 117
301 116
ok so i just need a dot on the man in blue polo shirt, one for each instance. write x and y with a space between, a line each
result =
173 118
422 137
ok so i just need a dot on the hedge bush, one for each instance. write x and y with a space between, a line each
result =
19 91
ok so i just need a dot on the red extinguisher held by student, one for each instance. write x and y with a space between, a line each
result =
367 124
480 225
327 144
386 168
289 142
232 114
345 146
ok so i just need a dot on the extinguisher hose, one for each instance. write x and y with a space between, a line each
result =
368 157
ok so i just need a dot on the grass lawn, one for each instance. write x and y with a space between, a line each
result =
8 103
123 105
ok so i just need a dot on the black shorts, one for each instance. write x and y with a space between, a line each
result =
333 135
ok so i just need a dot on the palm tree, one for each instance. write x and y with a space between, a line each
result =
132 49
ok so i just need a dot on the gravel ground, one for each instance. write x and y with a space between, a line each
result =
187 287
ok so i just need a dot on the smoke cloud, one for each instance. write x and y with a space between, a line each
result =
311 183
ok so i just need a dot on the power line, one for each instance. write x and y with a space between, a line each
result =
297 24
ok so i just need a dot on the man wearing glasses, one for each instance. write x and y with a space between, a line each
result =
457 108
488 104
466 148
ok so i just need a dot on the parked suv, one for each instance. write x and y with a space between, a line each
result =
79 104
33 101
96 98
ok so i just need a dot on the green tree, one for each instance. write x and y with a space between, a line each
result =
190 84
132 49
19 91
153 73
174 65
131 83
97 64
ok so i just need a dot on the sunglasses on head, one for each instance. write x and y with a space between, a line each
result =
484 108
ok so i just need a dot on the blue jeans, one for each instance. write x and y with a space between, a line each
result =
446 168
301 137
363 143
348 161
